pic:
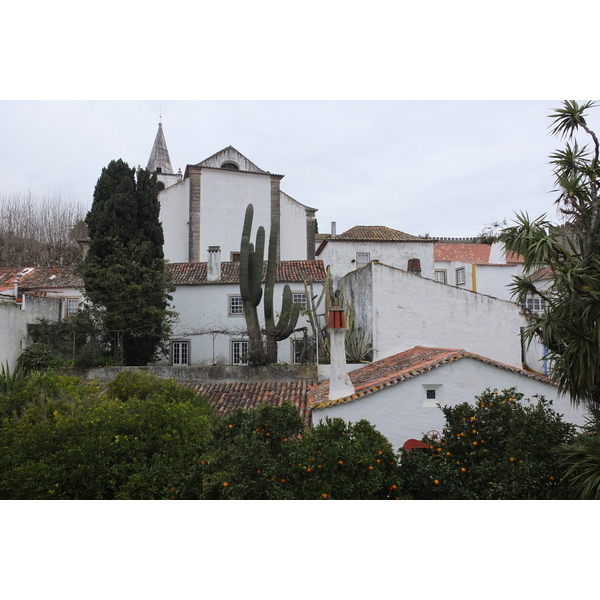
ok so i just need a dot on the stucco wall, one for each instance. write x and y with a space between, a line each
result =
174 216
224 196
494 280
402 411
341 255
205 322
293 229
403 310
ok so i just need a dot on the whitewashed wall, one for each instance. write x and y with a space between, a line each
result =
174 216
224 196
204 322
402 411
341 255
403 310
293 241
494 280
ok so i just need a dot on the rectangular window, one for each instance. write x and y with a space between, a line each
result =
72 306
180 354
239 353
460 276
535 304
235 257
362 259
440 276
299 298
236 306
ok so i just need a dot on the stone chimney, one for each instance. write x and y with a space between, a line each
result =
213 272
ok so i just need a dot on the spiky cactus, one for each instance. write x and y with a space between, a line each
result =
289 310
251 264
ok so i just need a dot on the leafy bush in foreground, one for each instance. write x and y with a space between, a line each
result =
498 448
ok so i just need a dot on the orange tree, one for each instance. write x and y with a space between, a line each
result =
265 453
498 448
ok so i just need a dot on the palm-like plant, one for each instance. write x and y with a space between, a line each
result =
569 327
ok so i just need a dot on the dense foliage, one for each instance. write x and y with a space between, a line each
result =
569 325
124 269
266 454
501 447
61 438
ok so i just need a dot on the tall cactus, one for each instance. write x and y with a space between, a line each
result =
289 310
251 264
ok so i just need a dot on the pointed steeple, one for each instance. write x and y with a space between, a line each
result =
159 160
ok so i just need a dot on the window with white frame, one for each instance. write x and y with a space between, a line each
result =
460 276
440 275
236 306
535 304
362 259
180 353
299 298
72 306
239 352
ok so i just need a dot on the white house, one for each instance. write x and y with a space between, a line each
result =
28 295
399 395
483 268
205 206
360 245
211 328
401 310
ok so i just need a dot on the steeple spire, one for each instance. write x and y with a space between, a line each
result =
159 160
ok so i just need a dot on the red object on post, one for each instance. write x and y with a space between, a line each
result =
337 318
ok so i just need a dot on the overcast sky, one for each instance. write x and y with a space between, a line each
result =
447 168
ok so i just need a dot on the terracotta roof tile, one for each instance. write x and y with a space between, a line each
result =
31 278
225 397
402 366
289 271
474 254
377 233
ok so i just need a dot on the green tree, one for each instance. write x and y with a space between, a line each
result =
500 448
63 439
569 327
124 271
266 454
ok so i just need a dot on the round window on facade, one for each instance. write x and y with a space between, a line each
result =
160 186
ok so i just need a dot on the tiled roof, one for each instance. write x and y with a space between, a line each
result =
377 233
289 271
30 278
474 254
227 396
400 367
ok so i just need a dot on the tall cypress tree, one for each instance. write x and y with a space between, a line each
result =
124 271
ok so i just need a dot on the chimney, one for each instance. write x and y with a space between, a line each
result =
214 264
333 230
340 385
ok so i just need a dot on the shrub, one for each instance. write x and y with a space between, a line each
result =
264 454
68 441
498 448
37 357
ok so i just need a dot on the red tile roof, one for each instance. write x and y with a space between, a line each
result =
227 396
399 367
31 278
377 233
474 254
289 271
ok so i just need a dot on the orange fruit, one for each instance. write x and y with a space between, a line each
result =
225 484
340 462
323 495
511 459
394 487
474 443
463 469
370 468
230 426
436 482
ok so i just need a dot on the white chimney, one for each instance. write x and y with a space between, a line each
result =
340 385
214 264
333 229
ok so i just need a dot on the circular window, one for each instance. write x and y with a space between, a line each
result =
160 186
